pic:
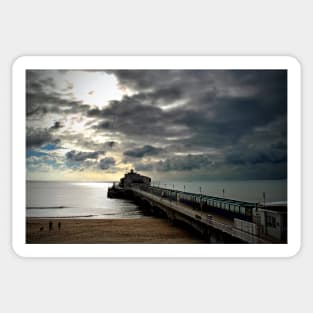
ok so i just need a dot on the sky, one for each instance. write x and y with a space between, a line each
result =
178 125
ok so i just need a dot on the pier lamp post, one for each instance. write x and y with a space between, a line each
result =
184 188
223 193
264 197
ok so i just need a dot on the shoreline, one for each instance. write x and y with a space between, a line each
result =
146 230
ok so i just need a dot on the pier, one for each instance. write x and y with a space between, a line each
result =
218 220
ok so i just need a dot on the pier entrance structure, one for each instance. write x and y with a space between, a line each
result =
219 220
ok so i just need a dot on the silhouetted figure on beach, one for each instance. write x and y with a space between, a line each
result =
59 226
50 226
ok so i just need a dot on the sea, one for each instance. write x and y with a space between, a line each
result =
89 199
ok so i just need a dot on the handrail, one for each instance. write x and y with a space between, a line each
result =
190 212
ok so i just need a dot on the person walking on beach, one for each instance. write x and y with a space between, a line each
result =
50 226
59 226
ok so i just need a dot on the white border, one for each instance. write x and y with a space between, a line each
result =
156 250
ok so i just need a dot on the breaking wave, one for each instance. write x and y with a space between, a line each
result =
47 207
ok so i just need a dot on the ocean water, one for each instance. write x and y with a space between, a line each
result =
76 200
89 200
244 190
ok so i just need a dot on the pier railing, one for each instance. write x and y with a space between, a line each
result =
211 220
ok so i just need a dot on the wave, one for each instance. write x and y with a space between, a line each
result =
83 215
87 216
78 216
47 207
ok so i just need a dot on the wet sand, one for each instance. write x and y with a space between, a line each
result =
84 231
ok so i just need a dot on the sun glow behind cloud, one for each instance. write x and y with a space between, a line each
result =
184 123
93 88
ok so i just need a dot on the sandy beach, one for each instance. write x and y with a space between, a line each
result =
84 231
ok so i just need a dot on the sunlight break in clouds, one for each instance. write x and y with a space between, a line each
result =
168 124
94 88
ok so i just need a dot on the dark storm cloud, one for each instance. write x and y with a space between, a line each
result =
185 163
257 157
89 144
142 79
43 103
168 81
79 156
241 115
106 163
146 150
111 144
143 167
35 82
56 125
39 137
219 106
41 97
131 117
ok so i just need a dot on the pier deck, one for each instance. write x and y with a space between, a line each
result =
215 221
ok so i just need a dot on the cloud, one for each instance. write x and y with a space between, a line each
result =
253 158
106 163
33 153
130 117
216 110
225 122
56 125
184 163
50 147
42 96
146 150
39 137
43 103
38 161
79 156
266 154
144 167
229 111
82 160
